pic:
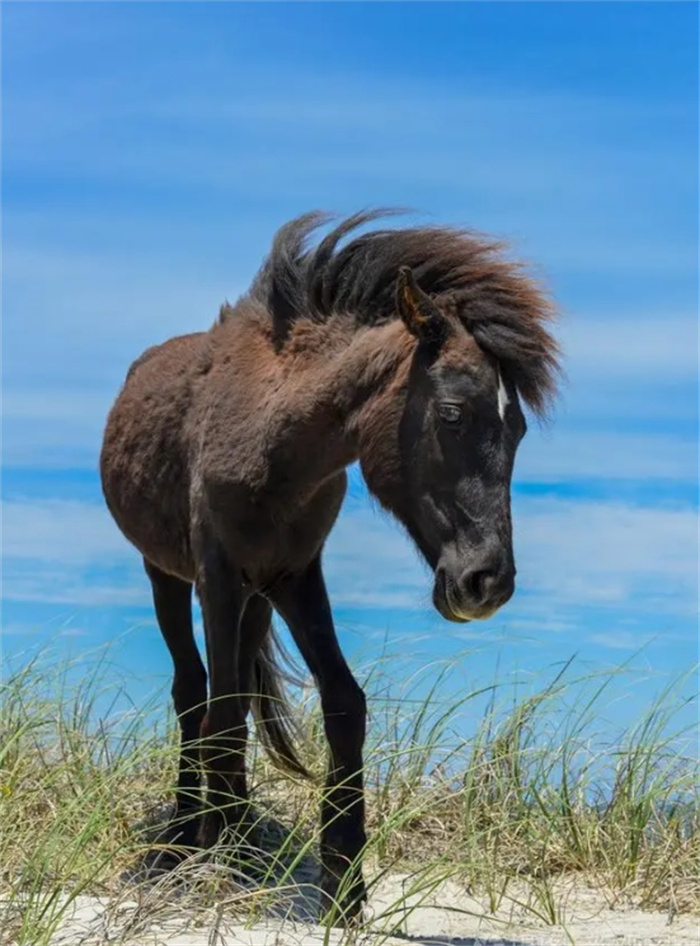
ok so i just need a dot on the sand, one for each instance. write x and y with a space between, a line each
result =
447 916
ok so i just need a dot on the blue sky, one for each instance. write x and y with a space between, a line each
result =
151 150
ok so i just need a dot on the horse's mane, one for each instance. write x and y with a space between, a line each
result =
503 308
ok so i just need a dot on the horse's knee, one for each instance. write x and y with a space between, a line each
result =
223 736
189 694
345 712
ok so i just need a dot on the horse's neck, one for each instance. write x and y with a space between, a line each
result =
362 375
345 384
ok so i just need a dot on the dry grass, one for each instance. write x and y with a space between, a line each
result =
531 799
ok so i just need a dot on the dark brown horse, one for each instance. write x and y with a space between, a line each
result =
224 463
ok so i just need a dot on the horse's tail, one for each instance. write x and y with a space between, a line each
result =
274 718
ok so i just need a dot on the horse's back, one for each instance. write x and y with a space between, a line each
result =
144 462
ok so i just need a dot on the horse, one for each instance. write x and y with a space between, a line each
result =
411 350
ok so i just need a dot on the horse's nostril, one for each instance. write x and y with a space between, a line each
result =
478 583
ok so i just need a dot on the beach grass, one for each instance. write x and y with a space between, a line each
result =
531 798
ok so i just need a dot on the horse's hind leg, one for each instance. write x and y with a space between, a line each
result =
173 603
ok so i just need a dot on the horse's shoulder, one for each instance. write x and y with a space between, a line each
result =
173 350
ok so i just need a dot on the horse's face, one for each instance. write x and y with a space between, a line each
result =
458 434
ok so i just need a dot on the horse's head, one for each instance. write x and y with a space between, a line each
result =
454 428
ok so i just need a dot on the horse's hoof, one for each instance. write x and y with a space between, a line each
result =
340 906
154 865
168 827
235 832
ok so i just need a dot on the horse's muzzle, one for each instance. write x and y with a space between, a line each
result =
472 593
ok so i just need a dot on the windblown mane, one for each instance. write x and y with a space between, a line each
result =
502 307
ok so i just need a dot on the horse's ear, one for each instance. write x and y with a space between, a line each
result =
421 316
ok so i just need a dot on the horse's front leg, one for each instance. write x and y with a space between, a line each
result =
303 603
224 732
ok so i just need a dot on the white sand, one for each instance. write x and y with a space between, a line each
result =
447 916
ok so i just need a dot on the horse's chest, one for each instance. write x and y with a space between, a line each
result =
267 532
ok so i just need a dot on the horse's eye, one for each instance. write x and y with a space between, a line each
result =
450 413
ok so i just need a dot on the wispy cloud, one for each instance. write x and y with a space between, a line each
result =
55 530
80 317
347 108
69 553
608 554
632 347
628 641
570 555
558 455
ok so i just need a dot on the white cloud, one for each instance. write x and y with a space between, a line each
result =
369 562
608 554
416 121
622 640
640 348
104 311
559 454
58 584
61 531
573 558
53 426
70 553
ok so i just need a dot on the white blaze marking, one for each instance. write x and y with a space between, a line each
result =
502 397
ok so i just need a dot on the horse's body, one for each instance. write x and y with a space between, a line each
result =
224 463
243 448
